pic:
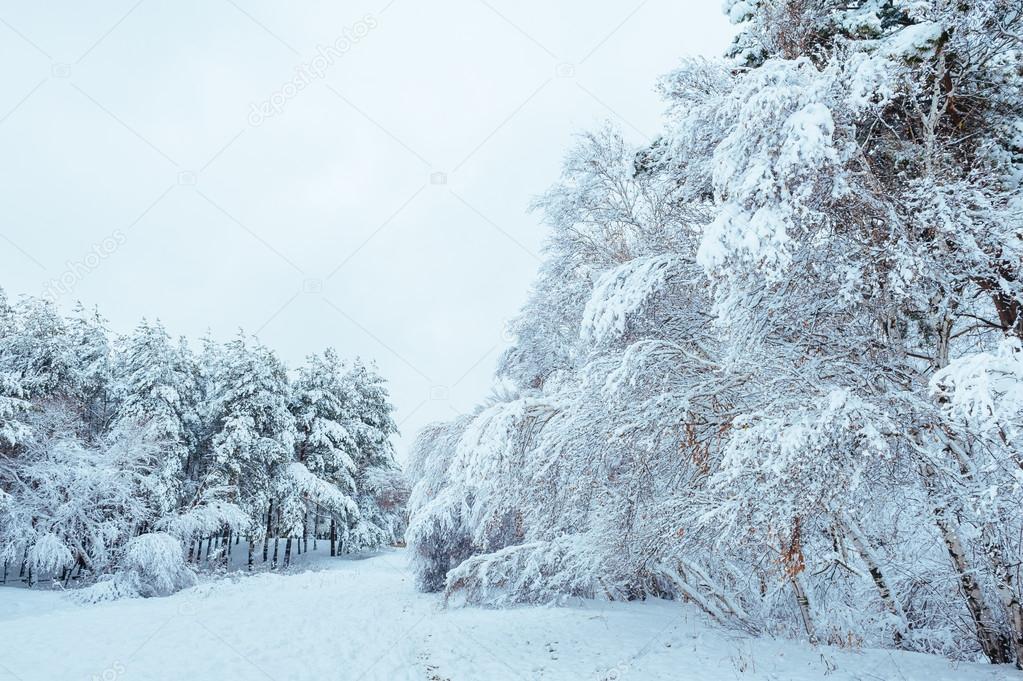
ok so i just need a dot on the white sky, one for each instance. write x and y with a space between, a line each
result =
320 224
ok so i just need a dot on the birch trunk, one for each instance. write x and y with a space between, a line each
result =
803 601
891 603
994 644
1007 594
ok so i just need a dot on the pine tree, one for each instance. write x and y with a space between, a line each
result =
116 457
325 447
152 384
255 437
380 485
37 351
93 368
14 430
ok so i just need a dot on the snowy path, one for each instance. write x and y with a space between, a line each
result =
361 620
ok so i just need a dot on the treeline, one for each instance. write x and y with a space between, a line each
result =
772 364
128 462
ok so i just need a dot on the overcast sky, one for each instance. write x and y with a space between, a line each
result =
353 174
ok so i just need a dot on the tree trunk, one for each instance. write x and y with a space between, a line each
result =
994 644
333 537
287 552
269 529
1007 306
305 531
209 545
277 539
891 603
252 542
1007 594
803 601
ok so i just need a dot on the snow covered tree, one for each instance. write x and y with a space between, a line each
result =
13 411
255 438
13 406
151 383
770 362
325 447
379 484
35 349
123 465
93 368
69 505
893 233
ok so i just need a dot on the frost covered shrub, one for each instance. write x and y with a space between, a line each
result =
154 565
48 554
436 535
151 564
535 572
438 545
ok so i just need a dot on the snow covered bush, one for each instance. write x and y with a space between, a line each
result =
154 565
49 553
151 564
436 534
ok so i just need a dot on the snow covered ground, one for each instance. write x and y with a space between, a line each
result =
362 619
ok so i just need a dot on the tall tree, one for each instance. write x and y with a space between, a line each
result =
255 437
152 386
771 361
369 421
93 368
321 403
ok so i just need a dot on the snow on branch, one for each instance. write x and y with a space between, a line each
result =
623 292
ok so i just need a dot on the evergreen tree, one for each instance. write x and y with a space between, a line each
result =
380 486
325 447
255 437
116 459
93 368
37 350
152 387
14 430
